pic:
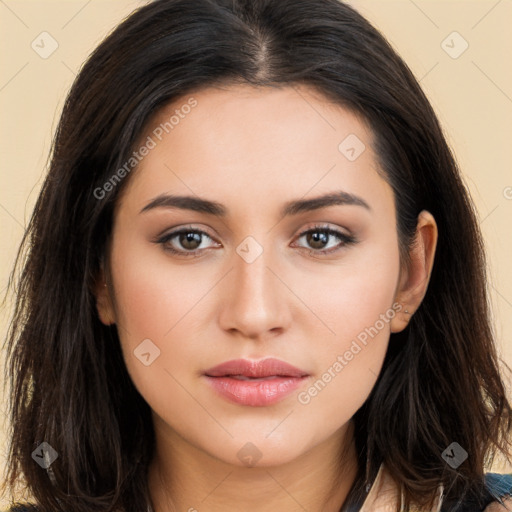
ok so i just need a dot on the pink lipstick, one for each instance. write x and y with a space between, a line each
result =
255 383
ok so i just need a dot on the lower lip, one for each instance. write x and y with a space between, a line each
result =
256 393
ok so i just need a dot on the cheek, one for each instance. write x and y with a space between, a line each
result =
357 304
352 296
348 366
152 294
156 301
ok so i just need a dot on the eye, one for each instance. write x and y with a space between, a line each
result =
187 242
319 236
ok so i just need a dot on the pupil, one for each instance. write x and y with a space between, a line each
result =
319 236
189 237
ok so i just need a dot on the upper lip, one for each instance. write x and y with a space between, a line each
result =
250 368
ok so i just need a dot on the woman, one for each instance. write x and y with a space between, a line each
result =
254 279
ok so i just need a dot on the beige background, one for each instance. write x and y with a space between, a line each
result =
471 93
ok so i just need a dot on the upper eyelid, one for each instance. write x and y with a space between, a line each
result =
318 225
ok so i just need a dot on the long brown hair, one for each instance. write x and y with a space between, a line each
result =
440 382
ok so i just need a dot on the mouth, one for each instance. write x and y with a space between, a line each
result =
250 369
255 383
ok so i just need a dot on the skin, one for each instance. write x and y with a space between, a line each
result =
497 507
252 150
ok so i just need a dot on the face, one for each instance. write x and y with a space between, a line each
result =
316 288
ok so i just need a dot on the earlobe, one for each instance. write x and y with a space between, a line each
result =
103 301
414 280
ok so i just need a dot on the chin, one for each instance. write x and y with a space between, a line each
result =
257 451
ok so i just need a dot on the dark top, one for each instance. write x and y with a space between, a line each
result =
497 486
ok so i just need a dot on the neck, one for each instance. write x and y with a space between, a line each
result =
183 477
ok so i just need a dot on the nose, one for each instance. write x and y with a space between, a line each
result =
255 298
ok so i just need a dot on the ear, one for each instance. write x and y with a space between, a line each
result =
415 278
104 303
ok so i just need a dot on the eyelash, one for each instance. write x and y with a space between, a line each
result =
346 240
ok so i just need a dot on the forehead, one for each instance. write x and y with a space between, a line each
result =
255 142
219 112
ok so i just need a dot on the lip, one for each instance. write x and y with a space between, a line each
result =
249 368
255 383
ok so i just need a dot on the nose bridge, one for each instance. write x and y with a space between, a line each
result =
252 275
254 305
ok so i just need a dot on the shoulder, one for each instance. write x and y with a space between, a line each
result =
497 487
499 484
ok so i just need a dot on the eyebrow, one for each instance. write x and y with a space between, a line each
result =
295 207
